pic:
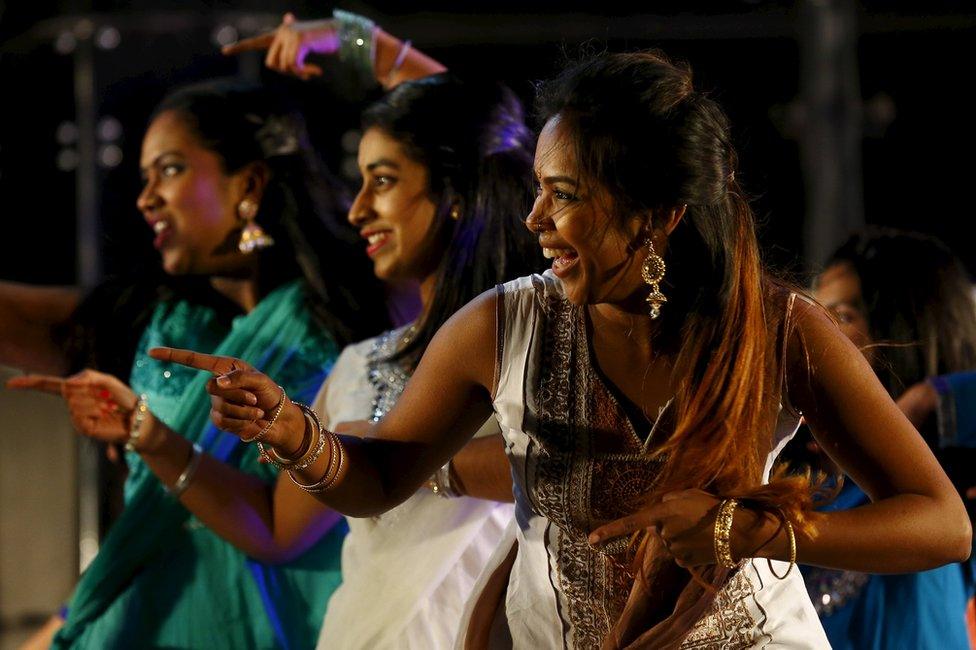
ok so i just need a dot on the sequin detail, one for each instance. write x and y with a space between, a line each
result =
386 376
830 590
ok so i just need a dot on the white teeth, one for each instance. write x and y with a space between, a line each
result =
376 238
160 226
553 253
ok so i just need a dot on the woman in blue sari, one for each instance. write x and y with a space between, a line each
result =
906 301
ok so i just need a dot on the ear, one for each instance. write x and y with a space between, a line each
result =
251 181
674 217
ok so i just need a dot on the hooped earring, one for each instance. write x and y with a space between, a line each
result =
253 237
652 270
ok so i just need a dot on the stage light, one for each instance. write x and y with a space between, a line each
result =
225 35
65 43
109 156
109 129
67 160
108 38
66 133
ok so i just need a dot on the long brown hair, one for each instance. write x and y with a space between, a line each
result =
645 135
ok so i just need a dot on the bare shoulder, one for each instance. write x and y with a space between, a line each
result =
467 340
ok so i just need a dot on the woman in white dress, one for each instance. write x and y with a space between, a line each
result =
446 180
643 386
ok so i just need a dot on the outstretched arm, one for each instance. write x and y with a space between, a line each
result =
28 316
444 404
287 47
272 523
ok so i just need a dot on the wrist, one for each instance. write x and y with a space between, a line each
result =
153 438
286 434
758 534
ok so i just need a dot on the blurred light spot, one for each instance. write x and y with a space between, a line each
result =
65 43
109 129
67 160
167 374
350 168
67 133
350 141
225 35
360 42
110 155
108 38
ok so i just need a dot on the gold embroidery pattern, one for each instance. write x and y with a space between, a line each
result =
728 624
576 487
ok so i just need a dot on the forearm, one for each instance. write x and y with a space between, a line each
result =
482 470
415 65
236 506
899 534
28 315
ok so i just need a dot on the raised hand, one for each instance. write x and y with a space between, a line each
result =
100 405
290 43
241 398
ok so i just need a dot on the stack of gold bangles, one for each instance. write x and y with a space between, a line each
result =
723 531
313 444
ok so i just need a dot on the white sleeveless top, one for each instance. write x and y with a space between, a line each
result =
407 574
577 462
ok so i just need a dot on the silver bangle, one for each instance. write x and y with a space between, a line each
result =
138 417
441 483
183 482
274 418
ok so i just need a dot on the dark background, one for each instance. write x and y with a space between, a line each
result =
913 73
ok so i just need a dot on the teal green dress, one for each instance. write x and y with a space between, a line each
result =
164 580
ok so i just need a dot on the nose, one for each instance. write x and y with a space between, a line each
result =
148 199
361 210
538 220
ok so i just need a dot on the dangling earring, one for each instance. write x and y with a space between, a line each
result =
253 238
455 212
653 272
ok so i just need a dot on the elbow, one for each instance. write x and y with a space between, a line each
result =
963 545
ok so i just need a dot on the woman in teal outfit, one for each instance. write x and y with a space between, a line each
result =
212 549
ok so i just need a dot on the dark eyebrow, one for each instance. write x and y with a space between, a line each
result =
561 179
155 161
382 162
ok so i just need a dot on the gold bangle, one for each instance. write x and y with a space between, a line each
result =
275 412
723 530
792 536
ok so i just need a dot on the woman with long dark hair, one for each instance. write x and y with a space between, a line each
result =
213 549
905 300
644 385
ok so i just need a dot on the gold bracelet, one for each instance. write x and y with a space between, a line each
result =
275 412
792 536
723 530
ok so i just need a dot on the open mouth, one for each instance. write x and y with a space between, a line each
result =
162 229
376 240
563 259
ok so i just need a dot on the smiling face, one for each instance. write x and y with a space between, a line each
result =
190 202
394 211
597 258
838 288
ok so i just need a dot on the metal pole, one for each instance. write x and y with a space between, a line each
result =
88 268
831 134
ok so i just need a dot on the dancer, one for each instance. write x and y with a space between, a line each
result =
647 381
213 549
446 172
916 324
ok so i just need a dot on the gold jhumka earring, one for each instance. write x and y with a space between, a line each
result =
253 238
652 270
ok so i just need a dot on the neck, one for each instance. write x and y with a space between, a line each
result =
631 323
427 287
241 291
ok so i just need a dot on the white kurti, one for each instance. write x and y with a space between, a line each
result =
577 461
407 574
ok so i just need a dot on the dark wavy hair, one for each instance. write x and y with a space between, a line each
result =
473 140
918 302
303 208
643 135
